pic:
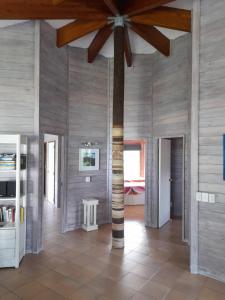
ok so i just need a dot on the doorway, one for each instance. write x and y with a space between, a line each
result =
171 183
51 190
134 180
51 163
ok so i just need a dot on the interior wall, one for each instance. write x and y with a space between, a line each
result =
88 121
171 103
17 99
53 102
177 177
137 114
157 104
211 130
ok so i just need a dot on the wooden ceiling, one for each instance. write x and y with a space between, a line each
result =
91 15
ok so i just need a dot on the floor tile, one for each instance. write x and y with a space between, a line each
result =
10 296
176 295
85 293
215 285
155 290
30 290
16 281
140 296
83 266
120 292
48 295
134 281
208 294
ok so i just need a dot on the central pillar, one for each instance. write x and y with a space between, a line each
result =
118 140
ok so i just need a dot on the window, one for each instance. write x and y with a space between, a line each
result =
132 163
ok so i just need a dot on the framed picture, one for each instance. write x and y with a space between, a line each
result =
88 159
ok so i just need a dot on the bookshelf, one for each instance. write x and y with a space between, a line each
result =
13 220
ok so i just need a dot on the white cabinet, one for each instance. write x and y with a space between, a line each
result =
13 232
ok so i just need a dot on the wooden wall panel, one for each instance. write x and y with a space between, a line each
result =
177 175
211 129
88 121
157 103
17 99
171 102
53 102
138 115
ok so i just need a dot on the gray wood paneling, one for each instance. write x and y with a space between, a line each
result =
138 116
177 176
171 102
53 102
17 97
211 129
157 103
88 121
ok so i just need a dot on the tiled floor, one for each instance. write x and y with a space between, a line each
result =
82 266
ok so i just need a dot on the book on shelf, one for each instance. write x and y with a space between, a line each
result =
8 161
7 214
21 214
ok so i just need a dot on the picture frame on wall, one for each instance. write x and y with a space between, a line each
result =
88 159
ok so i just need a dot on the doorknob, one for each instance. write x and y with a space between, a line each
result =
170 180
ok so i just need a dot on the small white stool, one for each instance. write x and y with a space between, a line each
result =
90 214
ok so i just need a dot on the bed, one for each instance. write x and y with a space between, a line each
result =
134 192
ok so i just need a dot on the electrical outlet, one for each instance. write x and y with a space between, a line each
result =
212 198
205 197
88 179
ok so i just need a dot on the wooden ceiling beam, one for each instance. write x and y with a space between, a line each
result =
57 2
154 37
134 7
44 9
112 6
76 30
168 17
127 47
98 42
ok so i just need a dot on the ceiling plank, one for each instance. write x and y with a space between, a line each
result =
76 30
168 17
134 7
127 47
112 5
44 9
57 2
154 37
98 42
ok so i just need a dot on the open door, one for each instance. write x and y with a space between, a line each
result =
51 172
164 181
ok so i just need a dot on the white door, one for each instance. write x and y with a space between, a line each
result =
164 181
51 172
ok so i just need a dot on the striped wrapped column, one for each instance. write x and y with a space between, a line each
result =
118 143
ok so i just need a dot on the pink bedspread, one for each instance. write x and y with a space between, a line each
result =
134 187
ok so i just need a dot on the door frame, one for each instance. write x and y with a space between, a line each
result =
183 180
56 171
160 202
143 167
61 186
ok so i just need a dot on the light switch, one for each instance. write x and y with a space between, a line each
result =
212 198
198 196
205 197
88 179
